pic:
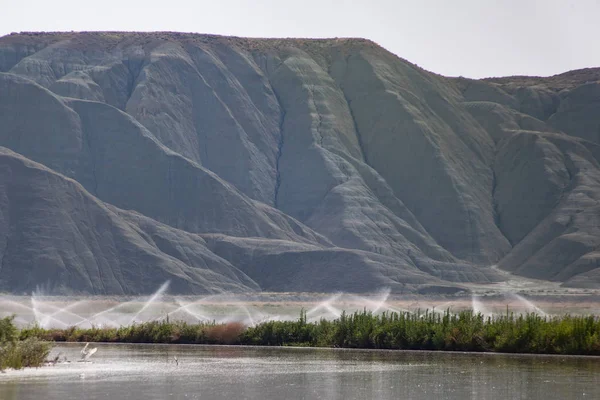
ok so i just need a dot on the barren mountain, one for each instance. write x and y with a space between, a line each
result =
285 164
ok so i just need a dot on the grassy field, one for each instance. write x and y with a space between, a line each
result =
465 331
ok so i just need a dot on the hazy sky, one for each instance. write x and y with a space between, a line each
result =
473 38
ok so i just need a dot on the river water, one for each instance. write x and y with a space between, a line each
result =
123 371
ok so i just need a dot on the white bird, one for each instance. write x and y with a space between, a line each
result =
86 354
176 360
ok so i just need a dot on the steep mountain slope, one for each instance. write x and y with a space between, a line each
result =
314 164
58 236
53 233
547 171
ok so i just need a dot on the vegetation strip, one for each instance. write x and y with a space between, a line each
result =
17 354
465 331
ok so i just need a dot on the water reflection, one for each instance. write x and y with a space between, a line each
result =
220 372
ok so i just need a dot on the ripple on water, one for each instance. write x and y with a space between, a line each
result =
215 372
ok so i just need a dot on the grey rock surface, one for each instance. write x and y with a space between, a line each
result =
287 164
54 234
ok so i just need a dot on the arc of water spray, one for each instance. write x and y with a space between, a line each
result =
42 321
28 308
93 317
529 304
250 319
155 296
327 306
385 294
65 310
323 309
185 308
258 316
34 308
374 305
478 307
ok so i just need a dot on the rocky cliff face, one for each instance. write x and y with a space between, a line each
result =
297 165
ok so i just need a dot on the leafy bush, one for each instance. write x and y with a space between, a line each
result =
17 354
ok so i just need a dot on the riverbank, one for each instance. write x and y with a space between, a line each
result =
465 331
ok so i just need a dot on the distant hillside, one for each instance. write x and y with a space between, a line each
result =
285 165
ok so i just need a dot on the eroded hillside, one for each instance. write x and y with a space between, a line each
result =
297 165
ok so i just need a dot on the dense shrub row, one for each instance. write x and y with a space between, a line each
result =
465 331
17 354
147 332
